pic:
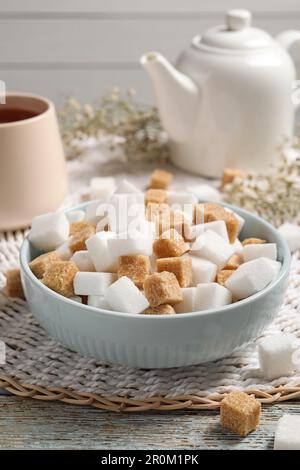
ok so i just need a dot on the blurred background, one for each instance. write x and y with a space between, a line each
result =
59 48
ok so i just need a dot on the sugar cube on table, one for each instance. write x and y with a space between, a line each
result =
287 435
98 301
40 264
276 356
125 187
163 309
266 250
83 261
291 232
202 270
13 286
211 295
86 283
252 277
80 232
156 196
170 243
212 247
59 276
160 179
206 192
102 258
135 267
188 303
180 266
64 252
102 187
162 288
75 216
48 231
240 413
124 296
230 174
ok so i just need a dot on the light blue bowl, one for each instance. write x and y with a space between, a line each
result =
149 341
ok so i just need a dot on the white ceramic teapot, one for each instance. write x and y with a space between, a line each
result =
228 102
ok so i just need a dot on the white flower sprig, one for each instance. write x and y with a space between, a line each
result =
274 195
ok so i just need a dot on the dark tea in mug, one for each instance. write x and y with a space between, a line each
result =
8 114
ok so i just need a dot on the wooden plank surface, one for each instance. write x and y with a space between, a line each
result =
29 424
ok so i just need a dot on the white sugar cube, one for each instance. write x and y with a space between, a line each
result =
48 231
125 187
276 355
124 296
181 198
129 246
203 270
238 247
75 216
83 261
291 232
287 436
204 192
147 228
64 251
265 250
92 283
212 247
91 212
252 277
188 303
98 301
76 298
211 296
102 187
123 210
102 258
217 226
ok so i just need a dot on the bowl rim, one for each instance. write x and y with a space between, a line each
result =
284 271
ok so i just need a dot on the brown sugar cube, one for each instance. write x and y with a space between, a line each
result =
223 275
240 413
136 267
80 232
230 174
13 286
160 179
39 265
181 267
162 288
234 262
210 212
163 309
170 244
253 241
158 196
155 211
60 276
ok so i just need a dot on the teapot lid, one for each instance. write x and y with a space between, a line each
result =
236 34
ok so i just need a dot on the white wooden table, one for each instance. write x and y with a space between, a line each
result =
30 424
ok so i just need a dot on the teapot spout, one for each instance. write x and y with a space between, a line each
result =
176 94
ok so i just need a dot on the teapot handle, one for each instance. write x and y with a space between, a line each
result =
287 39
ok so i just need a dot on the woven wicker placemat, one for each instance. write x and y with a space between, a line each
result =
38 367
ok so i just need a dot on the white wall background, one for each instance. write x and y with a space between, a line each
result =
82 47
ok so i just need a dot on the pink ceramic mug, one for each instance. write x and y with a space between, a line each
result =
32 165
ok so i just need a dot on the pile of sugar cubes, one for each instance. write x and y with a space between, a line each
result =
159 252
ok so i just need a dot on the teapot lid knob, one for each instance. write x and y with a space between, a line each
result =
238 19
